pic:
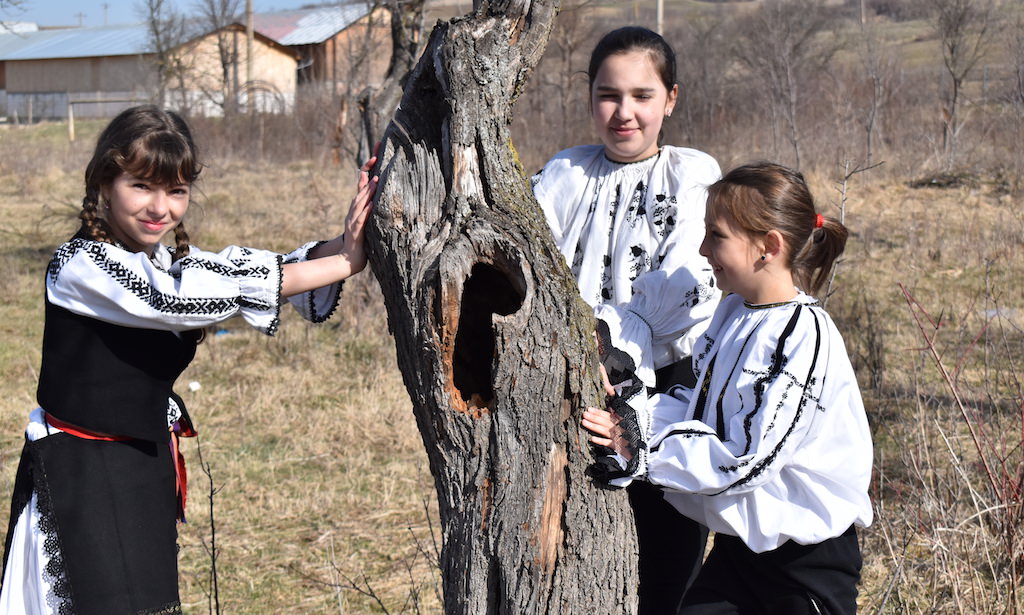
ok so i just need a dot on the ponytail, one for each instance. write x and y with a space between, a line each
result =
813 264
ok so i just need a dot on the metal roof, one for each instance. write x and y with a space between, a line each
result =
299 27
124 40
308 26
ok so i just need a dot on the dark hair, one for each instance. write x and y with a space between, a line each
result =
147 142
635 38
763 196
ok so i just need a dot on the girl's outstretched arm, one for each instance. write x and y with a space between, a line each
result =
342 256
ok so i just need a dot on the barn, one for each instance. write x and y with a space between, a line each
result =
100 70
340 47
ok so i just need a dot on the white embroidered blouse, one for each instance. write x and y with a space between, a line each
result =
617 224
773 444
104 281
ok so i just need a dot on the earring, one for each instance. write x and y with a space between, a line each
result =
762 257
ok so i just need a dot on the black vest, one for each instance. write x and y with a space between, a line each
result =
110 378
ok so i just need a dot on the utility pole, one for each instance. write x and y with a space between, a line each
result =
248 42
659 24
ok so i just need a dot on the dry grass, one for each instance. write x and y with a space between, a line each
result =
319 473
945 532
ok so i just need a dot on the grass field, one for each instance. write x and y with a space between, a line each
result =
322 499
319 476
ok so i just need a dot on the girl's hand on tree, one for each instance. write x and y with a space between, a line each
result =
354 248
604 424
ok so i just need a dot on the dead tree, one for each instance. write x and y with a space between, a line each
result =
494 344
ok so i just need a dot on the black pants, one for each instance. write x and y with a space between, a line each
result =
671 549
671 545
794 579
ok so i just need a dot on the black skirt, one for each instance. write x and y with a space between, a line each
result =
108 512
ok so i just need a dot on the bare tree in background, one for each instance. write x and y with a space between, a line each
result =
560 84
166 32
494 343
965 29
703 63
878 68
375 104
215 16
784 43
1014 46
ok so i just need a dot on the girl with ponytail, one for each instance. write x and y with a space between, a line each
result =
101 483
771 450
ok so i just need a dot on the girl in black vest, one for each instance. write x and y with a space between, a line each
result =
99 486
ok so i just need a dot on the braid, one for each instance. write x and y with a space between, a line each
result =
181 247
94 226
181 250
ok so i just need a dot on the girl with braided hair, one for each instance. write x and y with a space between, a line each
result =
101 483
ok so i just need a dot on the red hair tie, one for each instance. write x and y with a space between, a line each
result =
819 221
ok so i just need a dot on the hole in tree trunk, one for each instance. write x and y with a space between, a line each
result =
487 291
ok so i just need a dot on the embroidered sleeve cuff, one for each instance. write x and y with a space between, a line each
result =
318 304
260 295
612 468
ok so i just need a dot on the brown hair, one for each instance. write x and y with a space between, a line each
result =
635 38
147 142
764 196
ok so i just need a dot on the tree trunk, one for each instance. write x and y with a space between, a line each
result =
493 341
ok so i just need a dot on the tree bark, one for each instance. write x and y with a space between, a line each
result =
493 341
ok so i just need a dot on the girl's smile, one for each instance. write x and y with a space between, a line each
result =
732 255
629 103
141 212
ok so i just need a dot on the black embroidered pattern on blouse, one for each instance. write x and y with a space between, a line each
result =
664 214
641 262
636 209
774 372
160 302
219 269
769 459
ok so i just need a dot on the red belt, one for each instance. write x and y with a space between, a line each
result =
79 432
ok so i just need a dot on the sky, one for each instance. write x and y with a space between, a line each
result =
94 12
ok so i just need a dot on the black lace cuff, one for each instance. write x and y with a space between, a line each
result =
606 466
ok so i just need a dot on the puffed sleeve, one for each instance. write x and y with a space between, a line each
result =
103 281
558 188
665 304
